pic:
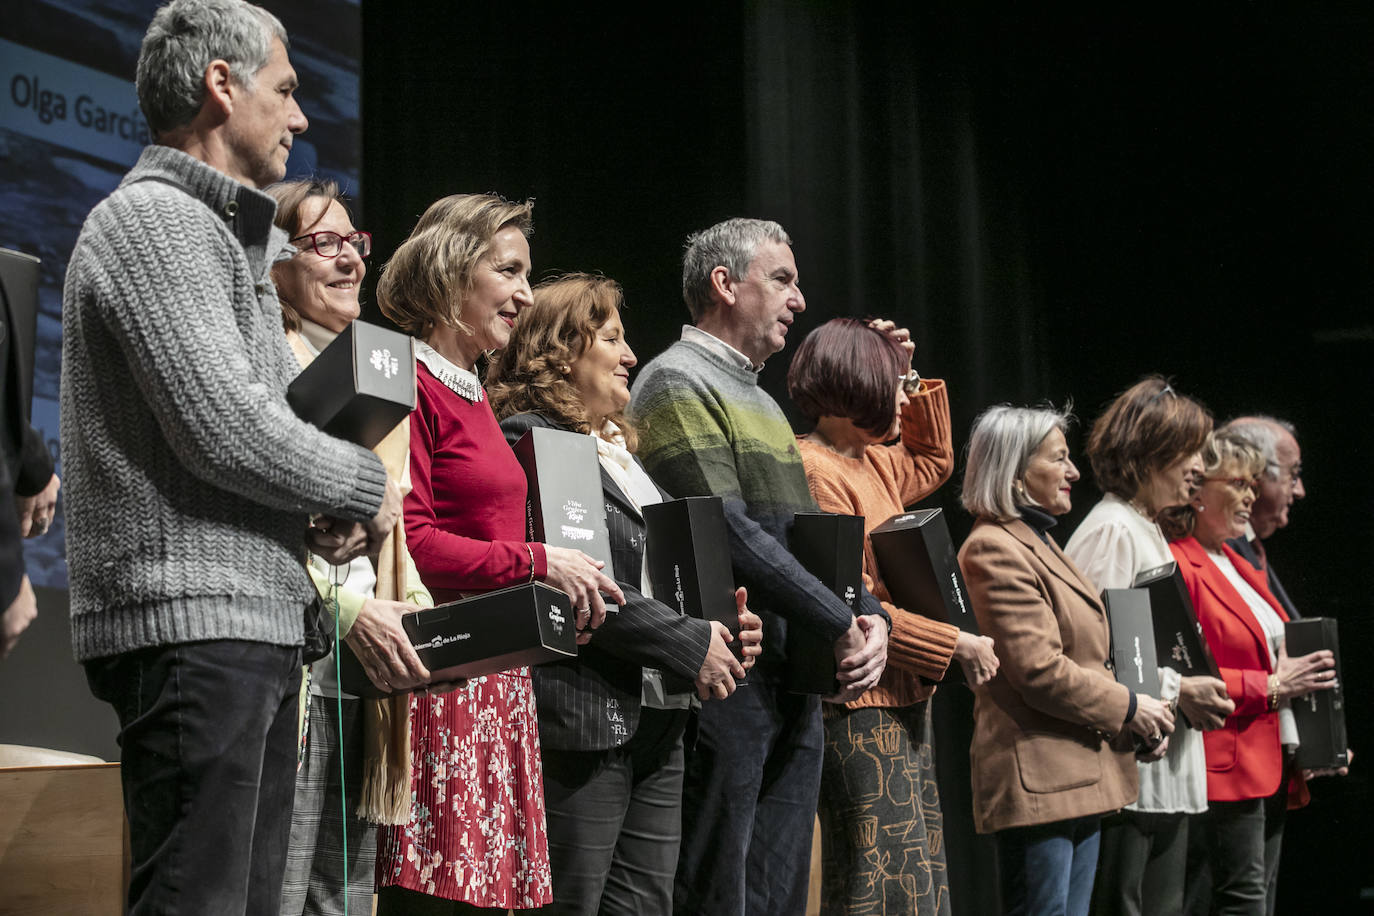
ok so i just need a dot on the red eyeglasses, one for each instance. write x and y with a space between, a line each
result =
330 244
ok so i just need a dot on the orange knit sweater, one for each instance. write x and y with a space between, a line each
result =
879 485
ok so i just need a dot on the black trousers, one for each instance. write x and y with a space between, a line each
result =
1244 839
749 804
1142 865
615 821
208 763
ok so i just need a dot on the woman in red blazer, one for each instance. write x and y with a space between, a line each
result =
1247 758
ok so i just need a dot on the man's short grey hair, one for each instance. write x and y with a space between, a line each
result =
1262 432
732 245
1003 440
184 36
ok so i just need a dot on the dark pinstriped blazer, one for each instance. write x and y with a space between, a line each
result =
1243 547
591 703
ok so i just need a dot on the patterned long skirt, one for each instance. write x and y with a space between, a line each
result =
476 831
882 833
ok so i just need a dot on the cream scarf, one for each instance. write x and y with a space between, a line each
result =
386 723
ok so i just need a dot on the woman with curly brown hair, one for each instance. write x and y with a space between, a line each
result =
612 783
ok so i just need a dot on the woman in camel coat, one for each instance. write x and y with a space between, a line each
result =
1044 767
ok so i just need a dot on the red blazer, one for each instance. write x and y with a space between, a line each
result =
1244 758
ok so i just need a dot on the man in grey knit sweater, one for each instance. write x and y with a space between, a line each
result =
190 483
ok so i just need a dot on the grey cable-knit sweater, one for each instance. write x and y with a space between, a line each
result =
188 480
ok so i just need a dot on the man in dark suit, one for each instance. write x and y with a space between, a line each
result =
1280 485
26 467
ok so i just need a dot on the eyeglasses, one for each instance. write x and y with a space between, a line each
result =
330 244
1239 484
1291 475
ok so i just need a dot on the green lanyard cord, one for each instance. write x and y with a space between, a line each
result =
338 682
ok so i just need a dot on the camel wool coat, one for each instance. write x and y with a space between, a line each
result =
1043 727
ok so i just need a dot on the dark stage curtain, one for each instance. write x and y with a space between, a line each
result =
865 141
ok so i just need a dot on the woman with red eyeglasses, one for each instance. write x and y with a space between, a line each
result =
331 858
1248 759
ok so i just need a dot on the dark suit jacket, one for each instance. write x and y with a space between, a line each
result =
25 465
11 551
591 703
1244 759
22 450
1243 547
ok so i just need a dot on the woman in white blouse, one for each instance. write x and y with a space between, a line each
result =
1144 455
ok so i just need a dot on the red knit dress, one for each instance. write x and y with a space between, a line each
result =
476 830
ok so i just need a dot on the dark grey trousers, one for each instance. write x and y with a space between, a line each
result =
1244 840
1142 865
615 821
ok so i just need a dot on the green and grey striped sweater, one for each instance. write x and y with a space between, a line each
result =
706 428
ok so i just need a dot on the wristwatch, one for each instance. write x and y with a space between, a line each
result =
912 384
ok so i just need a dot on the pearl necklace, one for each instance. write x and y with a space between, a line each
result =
1140 511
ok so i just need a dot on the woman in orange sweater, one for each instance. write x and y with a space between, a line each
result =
879 808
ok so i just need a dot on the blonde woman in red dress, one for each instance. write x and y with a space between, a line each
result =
476 837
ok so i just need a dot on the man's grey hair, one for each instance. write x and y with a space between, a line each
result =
732 245
1262 432
1002 443
184 36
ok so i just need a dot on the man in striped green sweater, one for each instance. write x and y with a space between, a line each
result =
707 428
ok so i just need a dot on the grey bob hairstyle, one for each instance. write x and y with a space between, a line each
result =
1003 440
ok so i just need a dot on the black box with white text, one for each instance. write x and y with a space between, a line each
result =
831 548
360 386
523 625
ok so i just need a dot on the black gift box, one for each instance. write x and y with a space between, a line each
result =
566 507
524 625
360 386
1179 643
1320 716
920 569
831 548
689 559
1133 639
